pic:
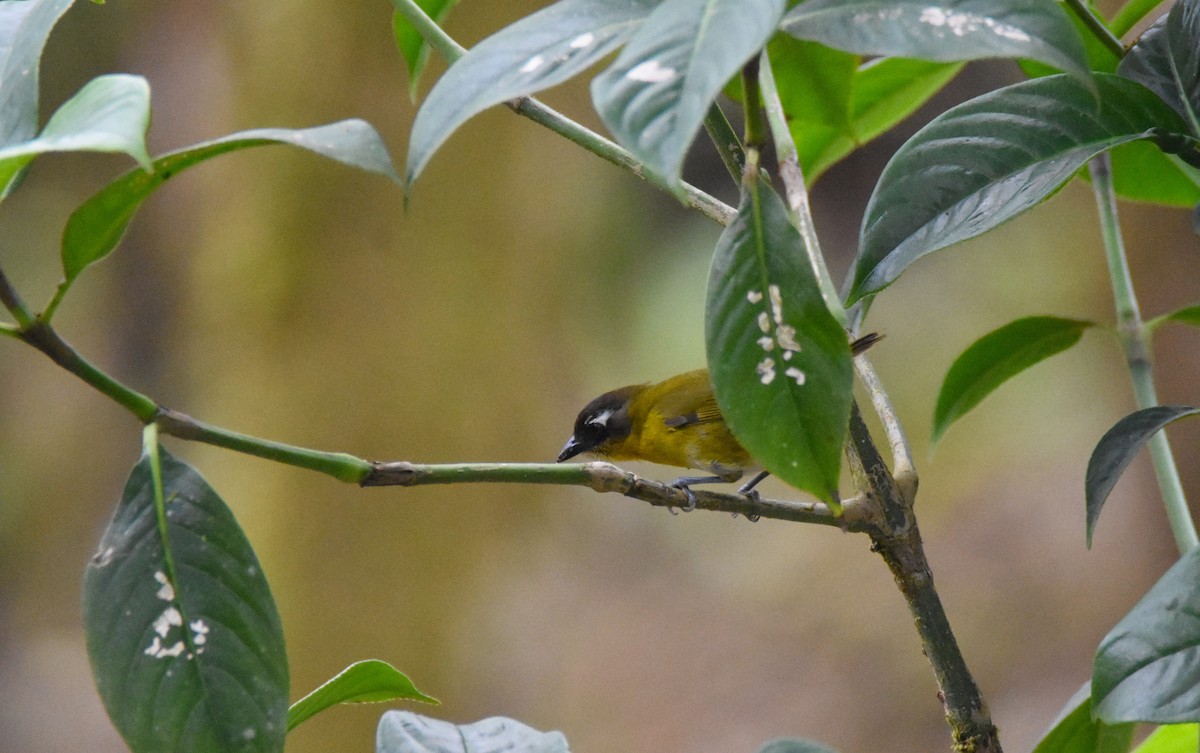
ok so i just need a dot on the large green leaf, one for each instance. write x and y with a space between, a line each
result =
1148 668
1172 738
405 732
184 639
413 47
997 357
24 28
835 103
778 360
1116 450
655 96
109 114
1074 731
95 228
944 30
989 159
535 53
1164 60
367 681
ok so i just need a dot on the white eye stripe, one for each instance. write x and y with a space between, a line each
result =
600 419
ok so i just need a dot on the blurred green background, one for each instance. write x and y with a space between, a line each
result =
278 294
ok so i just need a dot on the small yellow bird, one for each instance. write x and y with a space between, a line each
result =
672 422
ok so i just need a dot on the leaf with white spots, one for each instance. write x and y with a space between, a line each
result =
655 95
944 30
535 53
185 643
779 361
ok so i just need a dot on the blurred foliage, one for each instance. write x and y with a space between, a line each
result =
284 296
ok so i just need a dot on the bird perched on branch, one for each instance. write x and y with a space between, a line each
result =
673 422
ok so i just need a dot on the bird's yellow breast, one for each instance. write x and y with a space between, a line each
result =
677 422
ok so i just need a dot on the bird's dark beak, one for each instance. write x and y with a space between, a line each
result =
572 448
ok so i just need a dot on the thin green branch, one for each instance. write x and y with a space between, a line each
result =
799 209
1097 27
609 150
559 123
726 140
12 301
1136 344
904 470
755 131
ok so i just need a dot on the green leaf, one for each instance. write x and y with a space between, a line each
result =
1142 172
1186 315
413 47
1148 668
1099 56
655 96
1172 738
778 360
1164 60
790 745
24 28
109 114
368 681
944 30
185 642
95 228
997 357
1116 450
1076 732
405 732
835 104
987 160
535 53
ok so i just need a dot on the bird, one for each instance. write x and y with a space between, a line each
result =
674 422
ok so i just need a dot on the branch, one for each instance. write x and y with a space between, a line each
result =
1135 341
1097 27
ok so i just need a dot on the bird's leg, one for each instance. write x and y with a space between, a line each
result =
747 489
684 483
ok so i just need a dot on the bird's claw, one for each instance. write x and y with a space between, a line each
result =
691 496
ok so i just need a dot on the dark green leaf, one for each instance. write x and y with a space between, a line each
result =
1148 668
1116 451
185 643
24 28
945 30
997 357
989 159
405 732
794 746
778 360
96 227
1164 60
655 96
368 681
1172 738
1076 732
413 47
109 114
533 54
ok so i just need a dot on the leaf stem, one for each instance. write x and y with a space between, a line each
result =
15 304
1097 26
1135 342
726 140
546 116
796 190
